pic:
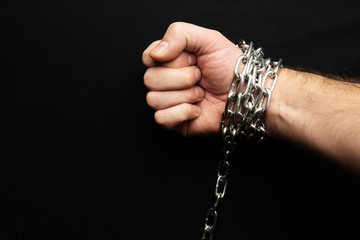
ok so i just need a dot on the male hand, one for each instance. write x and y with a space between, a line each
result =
190 71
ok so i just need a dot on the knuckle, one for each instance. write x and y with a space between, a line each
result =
149 98
153 100
175 26
144 56
216 33
159 118
148 76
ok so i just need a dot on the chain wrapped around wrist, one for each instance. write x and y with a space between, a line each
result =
244 115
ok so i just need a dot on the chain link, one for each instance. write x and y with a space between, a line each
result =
243 117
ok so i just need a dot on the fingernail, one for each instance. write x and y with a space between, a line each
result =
162 46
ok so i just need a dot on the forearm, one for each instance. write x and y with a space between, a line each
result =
317 112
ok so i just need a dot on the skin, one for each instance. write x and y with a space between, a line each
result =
189 74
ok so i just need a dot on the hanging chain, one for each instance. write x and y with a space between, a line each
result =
243 118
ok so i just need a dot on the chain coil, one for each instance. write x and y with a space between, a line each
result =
243 117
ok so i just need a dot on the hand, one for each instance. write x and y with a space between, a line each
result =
190 71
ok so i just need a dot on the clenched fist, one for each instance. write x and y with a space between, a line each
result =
188 77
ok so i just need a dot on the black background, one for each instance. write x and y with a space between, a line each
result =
80 154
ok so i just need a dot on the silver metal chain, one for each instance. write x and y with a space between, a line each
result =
243 118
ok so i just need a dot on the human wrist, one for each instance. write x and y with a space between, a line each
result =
288 106
274 114
249 95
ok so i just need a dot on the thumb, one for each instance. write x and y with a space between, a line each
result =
182 36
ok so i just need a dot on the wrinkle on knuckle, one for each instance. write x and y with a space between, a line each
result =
156 102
